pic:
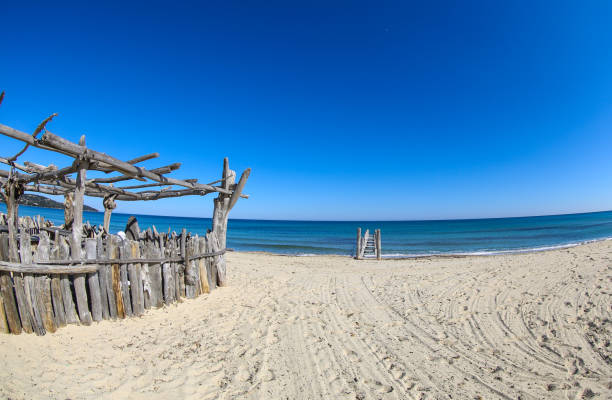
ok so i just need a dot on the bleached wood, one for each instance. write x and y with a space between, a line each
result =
43 289
135 275
205 287
36 305
103 276
155 276
126 251
10 306
93 281
358 245
115 301
25 312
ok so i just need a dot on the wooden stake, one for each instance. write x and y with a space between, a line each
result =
12 192
68 210
93 281
358 246
109 206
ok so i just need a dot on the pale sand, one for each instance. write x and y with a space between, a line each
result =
527 326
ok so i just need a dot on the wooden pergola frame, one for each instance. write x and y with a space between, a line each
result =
71 182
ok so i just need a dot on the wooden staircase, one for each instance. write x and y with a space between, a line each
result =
368 246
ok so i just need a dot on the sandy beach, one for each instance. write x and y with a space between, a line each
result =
528 326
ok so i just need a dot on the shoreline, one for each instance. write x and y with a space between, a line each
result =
436 255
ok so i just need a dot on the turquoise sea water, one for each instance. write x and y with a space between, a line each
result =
473 236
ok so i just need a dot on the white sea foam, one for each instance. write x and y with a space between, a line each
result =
492 252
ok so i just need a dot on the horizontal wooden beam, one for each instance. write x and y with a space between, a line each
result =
161 170
47 269
50 141
56 142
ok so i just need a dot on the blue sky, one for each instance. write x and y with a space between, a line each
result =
344 110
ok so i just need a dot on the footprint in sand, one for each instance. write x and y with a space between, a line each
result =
268 376
353 356
378 386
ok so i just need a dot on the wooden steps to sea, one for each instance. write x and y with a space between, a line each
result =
368 246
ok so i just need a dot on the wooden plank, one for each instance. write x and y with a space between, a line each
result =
4 327
42 282
12 209
56 289
212 265
36 305
146 278
103 276
182 264
58 302
135 274
378 245
10 306
115 301
190 282
25 312
219 262
4 255
194 265
167 276
43 289
50 269
4 247
93 281
176 266
25 247
66 283
126 250
81 299
358 245
204 286
155 275
364 243
75 243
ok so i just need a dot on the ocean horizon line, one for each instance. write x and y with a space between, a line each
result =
351 220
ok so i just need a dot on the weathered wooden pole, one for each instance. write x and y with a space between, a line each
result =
378 245
68 210
222 206
358 247
364 243
12 192
77 233
225 202
109 206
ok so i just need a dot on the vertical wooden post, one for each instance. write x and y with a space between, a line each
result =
12 192
358 246
109 206
93 281
221 204
77 233
103 276
68 210
378 245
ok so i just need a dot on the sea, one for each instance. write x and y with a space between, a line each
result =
399 238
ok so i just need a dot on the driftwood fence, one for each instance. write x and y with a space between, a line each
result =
115 278
77 273
368 245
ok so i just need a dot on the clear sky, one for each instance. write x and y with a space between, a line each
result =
344 110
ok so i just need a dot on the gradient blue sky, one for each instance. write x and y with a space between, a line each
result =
344 110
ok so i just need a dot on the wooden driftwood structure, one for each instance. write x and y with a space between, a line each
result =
368 246
50 276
